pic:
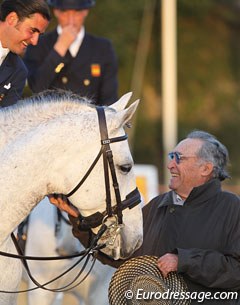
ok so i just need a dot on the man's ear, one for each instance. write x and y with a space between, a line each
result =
207 169
85 12
56 12
12 19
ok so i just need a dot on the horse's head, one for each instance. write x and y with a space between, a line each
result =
111 191
48 146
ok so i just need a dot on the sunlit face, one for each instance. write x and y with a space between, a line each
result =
189 171
71 17
20 34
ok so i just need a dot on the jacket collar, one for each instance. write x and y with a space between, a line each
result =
198 194
8 66
3 53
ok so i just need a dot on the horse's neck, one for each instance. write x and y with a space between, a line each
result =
19 196
36 164
26 170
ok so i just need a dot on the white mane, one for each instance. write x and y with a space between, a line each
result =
40 109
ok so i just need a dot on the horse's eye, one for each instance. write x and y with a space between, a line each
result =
125 168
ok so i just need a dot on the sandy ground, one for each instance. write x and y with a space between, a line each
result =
68 299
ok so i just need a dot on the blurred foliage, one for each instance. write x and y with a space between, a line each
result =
208 70
208 57
120 22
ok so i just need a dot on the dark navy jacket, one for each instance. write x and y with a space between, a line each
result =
92 73
13 75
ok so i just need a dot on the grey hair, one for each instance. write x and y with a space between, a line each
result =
212 151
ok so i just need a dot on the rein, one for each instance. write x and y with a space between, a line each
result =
87 253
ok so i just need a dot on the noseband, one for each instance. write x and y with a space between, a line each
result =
132 199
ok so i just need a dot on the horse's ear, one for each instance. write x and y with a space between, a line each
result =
126 114
122 102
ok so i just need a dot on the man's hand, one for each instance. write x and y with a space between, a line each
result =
167 263
67 37
63 205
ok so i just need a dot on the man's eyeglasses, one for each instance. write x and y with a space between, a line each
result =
177 156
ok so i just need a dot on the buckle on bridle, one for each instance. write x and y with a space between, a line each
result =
104 142
112 231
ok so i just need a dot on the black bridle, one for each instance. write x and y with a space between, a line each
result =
94 220
132 199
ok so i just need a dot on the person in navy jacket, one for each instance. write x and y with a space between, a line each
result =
21 23
71 59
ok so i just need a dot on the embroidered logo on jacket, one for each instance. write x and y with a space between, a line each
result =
95 70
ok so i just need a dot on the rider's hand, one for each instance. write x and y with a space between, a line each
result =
63 204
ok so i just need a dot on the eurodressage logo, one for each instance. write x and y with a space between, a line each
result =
199 296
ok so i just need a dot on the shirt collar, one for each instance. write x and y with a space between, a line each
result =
3 53
74 47
177 199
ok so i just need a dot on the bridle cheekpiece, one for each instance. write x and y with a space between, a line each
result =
132 199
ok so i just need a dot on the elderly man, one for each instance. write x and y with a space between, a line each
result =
194 229
21 23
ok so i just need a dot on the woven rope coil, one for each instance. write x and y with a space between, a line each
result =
142 273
